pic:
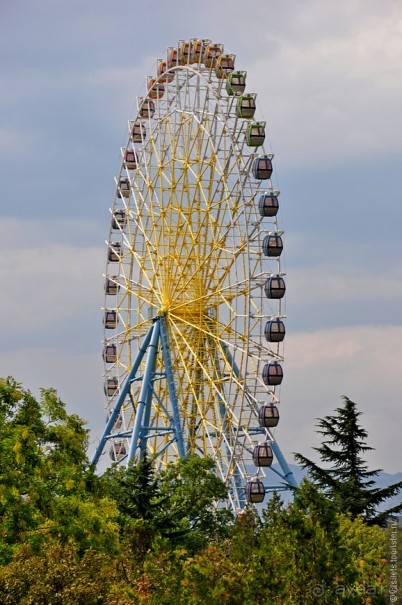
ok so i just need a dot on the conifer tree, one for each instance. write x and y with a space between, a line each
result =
347 480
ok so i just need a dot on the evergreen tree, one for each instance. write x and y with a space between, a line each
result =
348 481
177 504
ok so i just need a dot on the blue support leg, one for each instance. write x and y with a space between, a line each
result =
146 385
146 421
171 386
123 394
288 475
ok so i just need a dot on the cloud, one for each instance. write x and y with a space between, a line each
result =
334 93
322 284
76 376
362 362
47 282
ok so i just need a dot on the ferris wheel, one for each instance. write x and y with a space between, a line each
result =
194 285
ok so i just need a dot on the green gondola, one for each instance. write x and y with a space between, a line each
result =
236 83
255 134
246 106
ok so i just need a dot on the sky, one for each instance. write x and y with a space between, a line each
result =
329 85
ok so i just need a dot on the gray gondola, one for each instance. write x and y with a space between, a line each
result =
123 187
117 451
111 386
272 374
274 330
111 287
147 109
119 219
275 287
138 132
268 204
255 491
272 245
114 253
130 159
262 168
268 416
263 455
118 423
110 319
110 354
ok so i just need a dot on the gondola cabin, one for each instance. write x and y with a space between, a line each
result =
275 287
246 106
147 109
123 187
119 219
110 319
110 354
272 245
187 53
111 386
117 451
111 287
272 374
114 253
236 83
199 49
130 159
268 416
255 134
262 168
118 423
211 54
268 204
224 65
138 132
255 491
165 76
174 57
274 330
263 455
156 89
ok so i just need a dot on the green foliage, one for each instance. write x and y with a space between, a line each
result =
59 576
178 504
300 548
348 482
48 489
366 546
303 552
134 537
190 492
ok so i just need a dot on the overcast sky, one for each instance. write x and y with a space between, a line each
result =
329 83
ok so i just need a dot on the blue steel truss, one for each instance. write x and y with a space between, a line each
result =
141 430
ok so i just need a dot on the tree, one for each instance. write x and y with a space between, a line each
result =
348 482
60 576
48 489
191 492
178 504
300 551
